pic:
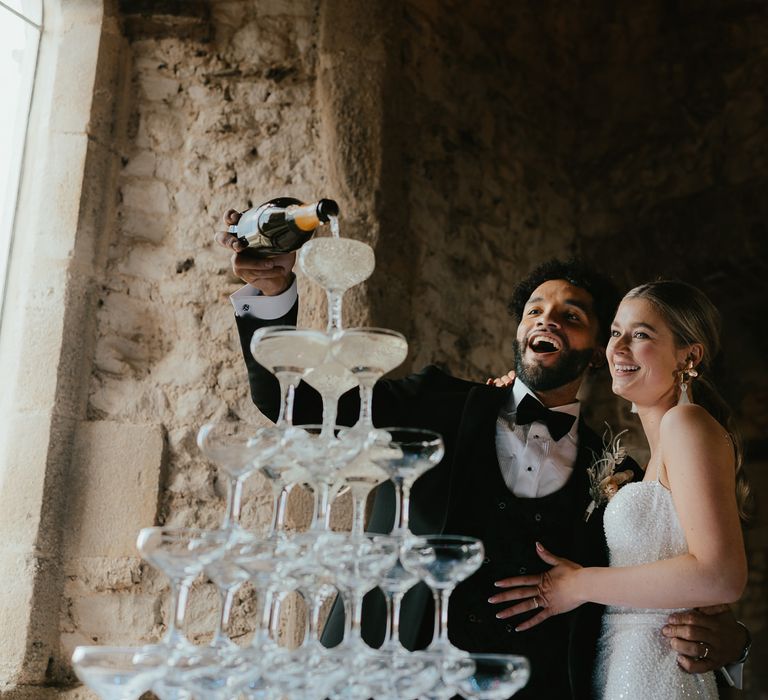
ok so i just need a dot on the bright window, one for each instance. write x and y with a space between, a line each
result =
20 25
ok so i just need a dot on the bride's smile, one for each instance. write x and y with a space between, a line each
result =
642 356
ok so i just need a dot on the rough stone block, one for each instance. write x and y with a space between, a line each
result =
141 164
158 87
147 195
115 476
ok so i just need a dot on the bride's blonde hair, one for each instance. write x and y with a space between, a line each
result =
693 318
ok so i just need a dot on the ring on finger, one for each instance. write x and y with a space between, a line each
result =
703 656
535 602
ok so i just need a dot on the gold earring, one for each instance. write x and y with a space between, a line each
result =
684 377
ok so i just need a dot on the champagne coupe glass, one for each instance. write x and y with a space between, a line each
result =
360 475
239 449
311 661
411 675
336 264
442 561
228 576
323 455
395 583
453 669
358 565
181 554
114 673
496 676
283 473
368 353
264 563
289 353
406 455
214 681
330 380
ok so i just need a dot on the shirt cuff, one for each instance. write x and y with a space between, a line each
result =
249 301
734 675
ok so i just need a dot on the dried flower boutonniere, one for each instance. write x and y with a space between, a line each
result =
604 480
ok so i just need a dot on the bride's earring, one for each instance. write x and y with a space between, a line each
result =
684 378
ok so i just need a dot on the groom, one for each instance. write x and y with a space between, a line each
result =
515 471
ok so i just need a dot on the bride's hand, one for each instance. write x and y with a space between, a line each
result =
553 591
505 380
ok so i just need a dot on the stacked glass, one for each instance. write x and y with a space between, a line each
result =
318 562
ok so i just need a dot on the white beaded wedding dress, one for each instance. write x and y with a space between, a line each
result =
635 661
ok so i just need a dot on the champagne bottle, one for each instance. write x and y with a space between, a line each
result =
282 224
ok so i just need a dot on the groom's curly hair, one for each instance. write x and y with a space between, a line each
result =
576 272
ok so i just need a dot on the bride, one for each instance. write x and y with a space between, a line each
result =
675 537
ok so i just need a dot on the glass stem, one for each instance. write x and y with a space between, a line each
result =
315 631
307 598
346 597
358 513
334 310
234 502
282 509
279 503
356 605
388 629
366 405
274 615
179 595
394 619
288 382
227 596
441 616
330 410
267 610
322 514
404 506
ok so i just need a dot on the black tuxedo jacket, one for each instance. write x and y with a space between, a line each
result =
465 414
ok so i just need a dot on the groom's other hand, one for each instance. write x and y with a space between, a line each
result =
715 628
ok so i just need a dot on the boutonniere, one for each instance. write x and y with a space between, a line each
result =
604 480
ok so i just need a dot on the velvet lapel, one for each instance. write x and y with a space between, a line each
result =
478 420
475 447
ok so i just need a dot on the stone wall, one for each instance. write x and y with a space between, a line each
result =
465 142
223 115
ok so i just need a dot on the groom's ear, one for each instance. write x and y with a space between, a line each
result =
598 358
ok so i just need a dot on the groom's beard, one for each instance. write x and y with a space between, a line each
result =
570 366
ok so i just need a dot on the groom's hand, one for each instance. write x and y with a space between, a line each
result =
714 628
272 275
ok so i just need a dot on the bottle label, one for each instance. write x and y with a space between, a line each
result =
305 217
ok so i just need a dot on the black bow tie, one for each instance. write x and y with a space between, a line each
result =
530 410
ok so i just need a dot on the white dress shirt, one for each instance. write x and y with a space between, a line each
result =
532 463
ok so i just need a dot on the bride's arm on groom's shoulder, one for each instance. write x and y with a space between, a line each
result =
700 470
